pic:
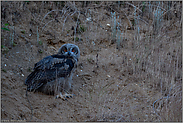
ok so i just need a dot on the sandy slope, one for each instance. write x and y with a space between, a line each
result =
114 91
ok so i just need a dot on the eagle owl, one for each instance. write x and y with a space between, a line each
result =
53 74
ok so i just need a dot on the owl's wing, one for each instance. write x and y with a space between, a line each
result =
49 69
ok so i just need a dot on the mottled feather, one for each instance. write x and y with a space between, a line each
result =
53 74
48 69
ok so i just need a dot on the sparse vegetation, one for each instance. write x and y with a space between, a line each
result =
14 44
4 70
40 42
40 51
82 28
5 28
29 69
141 81
23 31
4 49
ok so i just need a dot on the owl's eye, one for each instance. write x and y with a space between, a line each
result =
65 50
73 50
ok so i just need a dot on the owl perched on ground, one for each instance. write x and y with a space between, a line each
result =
53 74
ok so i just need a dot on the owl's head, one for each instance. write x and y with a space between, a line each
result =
70 50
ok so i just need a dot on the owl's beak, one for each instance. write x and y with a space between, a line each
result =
69 53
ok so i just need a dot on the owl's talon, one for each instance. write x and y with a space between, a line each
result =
60 96
68 95
57 97
63 97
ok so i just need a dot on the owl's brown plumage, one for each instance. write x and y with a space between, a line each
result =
53 74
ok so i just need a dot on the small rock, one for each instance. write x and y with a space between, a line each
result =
108 76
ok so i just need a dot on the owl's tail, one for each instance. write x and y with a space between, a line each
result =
29 80
32 81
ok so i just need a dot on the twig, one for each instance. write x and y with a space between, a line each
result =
49 13
37 35
47 24
133 6
97 60
160 99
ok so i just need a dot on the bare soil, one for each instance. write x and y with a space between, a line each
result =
138 79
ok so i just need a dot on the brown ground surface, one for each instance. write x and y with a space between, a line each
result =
118 85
